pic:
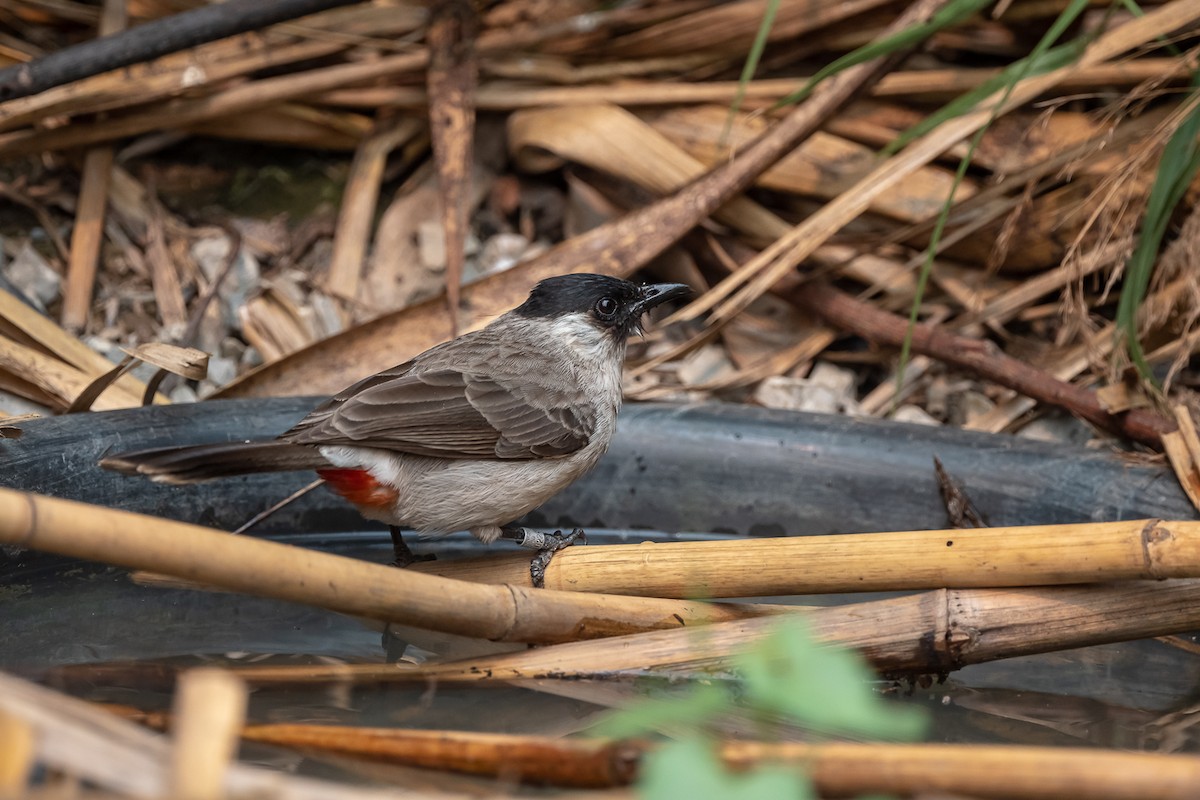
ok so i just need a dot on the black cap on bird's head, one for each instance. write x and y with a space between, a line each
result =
609 303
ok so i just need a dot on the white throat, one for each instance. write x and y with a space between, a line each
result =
589 344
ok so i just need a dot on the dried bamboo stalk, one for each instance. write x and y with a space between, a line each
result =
209 711
150 40
58 380
178 113
16 755
932 632
212 64
269 569
87 236
1034 555
839 769
90 744
358 205
757 276
985 771
241 97
617 248
923 84
54 339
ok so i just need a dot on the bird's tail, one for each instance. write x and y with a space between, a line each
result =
202 462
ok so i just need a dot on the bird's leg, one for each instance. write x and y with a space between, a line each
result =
546 544
394 645
404 556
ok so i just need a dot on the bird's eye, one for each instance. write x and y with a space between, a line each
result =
606 307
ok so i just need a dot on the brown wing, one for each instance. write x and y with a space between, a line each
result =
426 407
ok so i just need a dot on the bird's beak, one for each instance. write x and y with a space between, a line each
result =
657 293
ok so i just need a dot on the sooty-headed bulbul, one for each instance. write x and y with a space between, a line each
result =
471 434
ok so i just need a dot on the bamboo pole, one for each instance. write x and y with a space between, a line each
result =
270 569
985 771
1035 555
929 633
837 769
209 711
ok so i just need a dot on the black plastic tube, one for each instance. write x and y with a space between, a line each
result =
723 468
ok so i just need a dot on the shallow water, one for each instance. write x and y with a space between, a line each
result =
91 631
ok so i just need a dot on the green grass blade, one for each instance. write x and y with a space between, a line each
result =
1050 60
950 14
749 68
1064 20
1176 168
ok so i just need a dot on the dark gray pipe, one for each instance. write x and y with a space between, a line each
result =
723 468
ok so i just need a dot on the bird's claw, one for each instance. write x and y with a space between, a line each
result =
404 560
555 541
402 555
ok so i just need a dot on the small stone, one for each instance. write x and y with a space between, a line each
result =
828 389
1057 428
327 316
251 358
34 277
183 394
231 347
243 281
974 406
221 370
703 365
501 252
914 415
431 245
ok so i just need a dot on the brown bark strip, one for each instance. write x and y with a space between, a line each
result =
451 80
980 357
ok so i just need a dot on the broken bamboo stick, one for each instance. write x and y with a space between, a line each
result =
929 633
375 591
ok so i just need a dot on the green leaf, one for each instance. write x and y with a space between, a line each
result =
694 709
825 688
691 769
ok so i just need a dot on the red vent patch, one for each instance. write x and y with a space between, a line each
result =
359 487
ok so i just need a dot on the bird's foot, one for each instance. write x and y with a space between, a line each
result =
546 544
402 555
554 542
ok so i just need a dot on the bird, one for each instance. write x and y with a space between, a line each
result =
471 434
